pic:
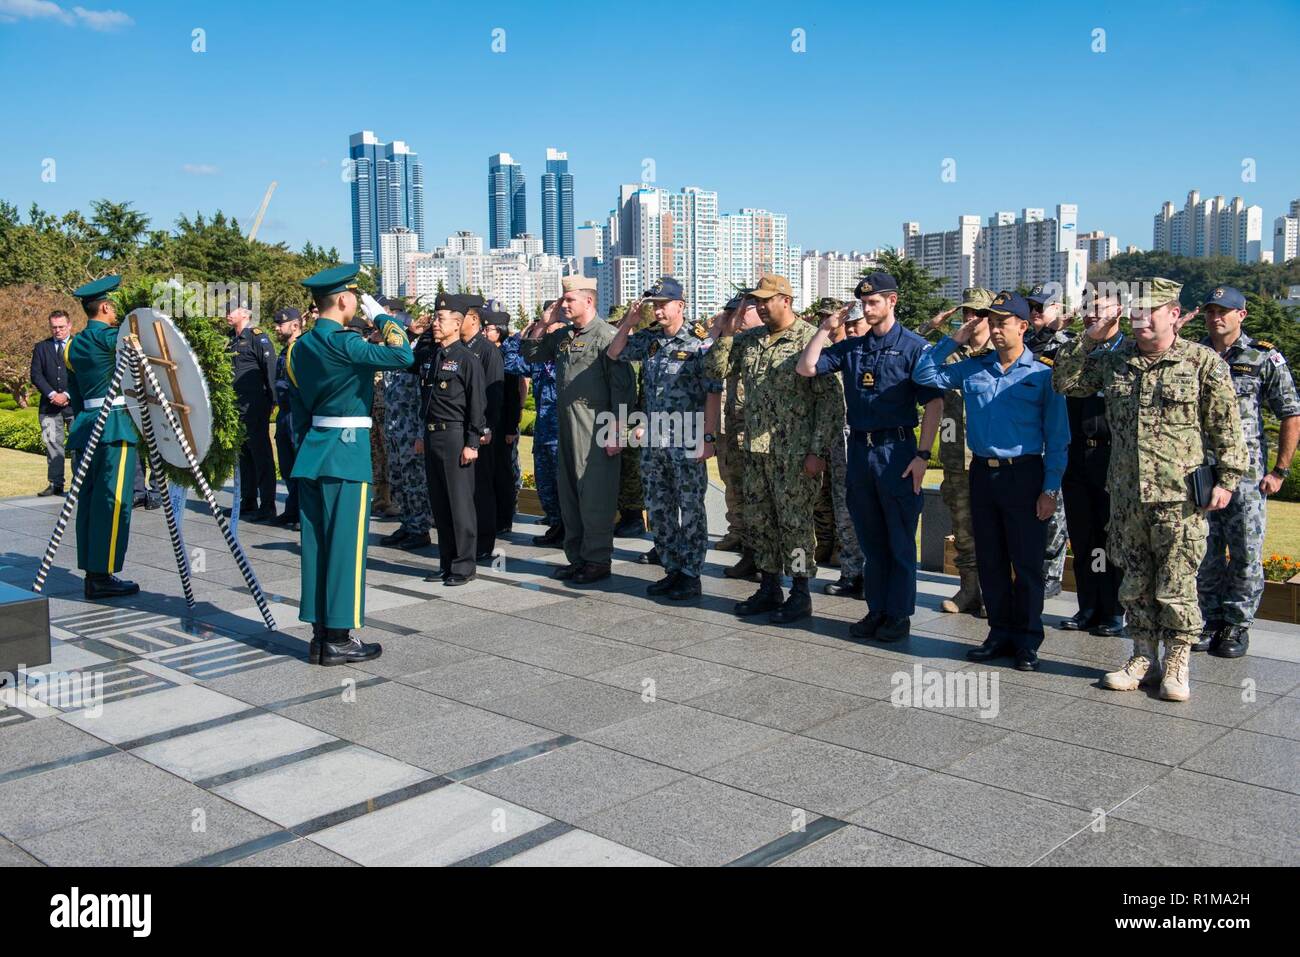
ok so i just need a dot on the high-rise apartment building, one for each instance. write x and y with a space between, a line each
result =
1013 251
1286 235
948 255
387 192
1098 246
1210 227
507 205
557 205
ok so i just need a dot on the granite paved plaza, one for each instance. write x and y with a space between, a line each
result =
517 721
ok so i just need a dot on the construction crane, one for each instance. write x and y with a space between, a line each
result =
261 211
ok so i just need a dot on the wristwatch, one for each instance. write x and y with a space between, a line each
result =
923 456
1280 472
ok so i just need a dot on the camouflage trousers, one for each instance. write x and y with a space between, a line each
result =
779 501
631 496
1054 559
850 550
731 466
674 495
410 487
1231 580
544 475
956 495
1160 548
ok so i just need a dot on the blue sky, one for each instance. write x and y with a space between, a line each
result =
848 137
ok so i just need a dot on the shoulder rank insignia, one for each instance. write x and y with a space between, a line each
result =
699 332
1263 345
1045 361
681 354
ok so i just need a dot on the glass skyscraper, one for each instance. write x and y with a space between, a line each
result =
557 205
507 211
387 193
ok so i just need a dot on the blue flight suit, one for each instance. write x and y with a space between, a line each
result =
881 398
1018 432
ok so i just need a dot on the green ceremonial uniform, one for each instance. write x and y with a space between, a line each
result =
1166 415
786 418
333 369
104 503
590 388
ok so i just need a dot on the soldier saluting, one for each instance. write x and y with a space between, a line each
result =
1169 404
1231 579
332 368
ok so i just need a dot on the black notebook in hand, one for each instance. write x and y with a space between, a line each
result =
1201 484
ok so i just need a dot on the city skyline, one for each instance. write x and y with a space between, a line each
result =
882 173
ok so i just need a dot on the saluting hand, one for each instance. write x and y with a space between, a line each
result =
1185 318
962 335
835 319
941 317
1101 329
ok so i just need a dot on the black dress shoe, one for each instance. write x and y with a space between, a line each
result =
284 519
865 630
264 515
1211 636
414 542
1109 629
847 587
989 650
483 556
454 579
567 571
664 585
554 536
649 558
1026 661
50 490
394 538
687 587
1236 639
109 586
1079 621
340 648
590 572
894 628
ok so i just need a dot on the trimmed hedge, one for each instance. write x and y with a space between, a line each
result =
20 430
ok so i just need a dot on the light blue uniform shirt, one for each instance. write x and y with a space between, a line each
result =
1010 413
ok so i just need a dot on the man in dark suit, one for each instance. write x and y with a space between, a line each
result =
50 376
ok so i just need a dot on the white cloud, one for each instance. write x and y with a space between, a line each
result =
11 11
200 169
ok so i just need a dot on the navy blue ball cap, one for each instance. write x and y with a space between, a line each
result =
665 290
287 314
875 283
1010 304
335 279
1043 293
1225 296
93 293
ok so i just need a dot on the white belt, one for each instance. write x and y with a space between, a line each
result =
96 403
340 421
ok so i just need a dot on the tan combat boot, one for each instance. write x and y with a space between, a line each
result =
1176 685
1142 668
968 596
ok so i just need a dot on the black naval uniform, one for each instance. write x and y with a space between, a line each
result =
253 359
493 368
1087 510
512 410
454 419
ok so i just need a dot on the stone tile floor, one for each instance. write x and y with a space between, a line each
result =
518 722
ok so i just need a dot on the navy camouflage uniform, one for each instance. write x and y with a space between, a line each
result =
1230 582
674 477
403 426
546 427
1044 344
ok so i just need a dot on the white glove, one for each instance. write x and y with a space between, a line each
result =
370 307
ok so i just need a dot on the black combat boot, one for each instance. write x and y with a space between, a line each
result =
797 606
768 597
687 587
664 585
553 536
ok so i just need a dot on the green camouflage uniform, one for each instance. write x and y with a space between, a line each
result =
731 454
786 417
955 458
1165 416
